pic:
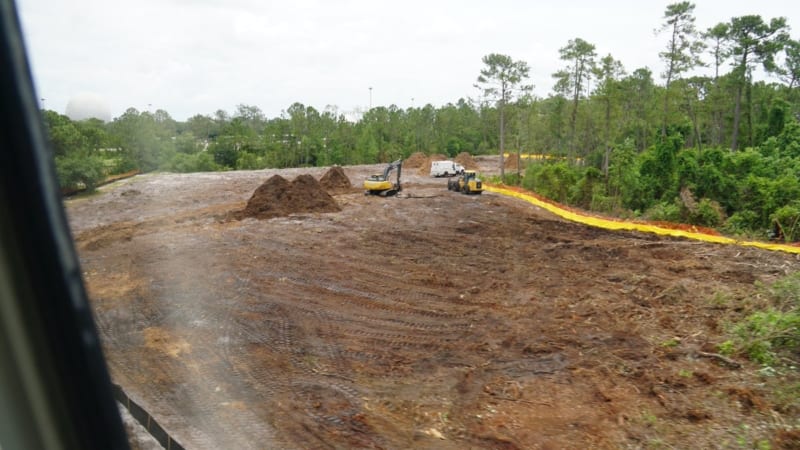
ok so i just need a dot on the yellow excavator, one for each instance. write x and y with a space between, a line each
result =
467 183
380 184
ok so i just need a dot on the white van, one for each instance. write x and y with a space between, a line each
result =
446 169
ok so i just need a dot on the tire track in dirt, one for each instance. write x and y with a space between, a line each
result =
380 326
213 349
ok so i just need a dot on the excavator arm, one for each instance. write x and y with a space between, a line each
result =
392 166
399 166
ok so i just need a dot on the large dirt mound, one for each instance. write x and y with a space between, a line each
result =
278 197
466 160
425 168
512 162
335 181
416 160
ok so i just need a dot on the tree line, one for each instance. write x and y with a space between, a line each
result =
701 142
246 139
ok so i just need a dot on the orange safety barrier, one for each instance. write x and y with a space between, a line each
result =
676 230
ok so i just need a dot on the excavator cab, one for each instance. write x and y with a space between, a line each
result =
380 184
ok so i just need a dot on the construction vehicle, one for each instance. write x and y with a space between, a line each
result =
446 168
380 184
467 183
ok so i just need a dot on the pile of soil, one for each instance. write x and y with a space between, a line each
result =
415 161
512 162
466 160
335 181
425 168
278 197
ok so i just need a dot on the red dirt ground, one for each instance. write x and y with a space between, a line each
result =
427 320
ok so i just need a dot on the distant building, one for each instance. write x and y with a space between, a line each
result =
87 105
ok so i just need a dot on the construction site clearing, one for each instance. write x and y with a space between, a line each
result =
286 309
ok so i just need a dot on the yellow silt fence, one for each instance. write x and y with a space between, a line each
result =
611 224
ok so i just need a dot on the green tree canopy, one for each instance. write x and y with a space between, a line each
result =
501 80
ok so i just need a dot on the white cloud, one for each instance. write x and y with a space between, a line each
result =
191 57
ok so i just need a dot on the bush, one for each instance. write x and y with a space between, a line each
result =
708 214
787 221
763 335
79 171
225 152
186 143
552 180
664 212
785 293
585 189
742 222
199 162
768 336
512 179
124 164
249 161
603 202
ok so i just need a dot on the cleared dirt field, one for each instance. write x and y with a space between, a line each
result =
429 320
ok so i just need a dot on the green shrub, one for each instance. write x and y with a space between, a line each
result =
250 161
603 202
766 336
124 164
787 220
583 191
225 151
512 179
664 212
77 171
199 162
552 180
785 293
741 222
707 214
187 143
727 348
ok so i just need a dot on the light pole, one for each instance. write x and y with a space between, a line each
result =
43 104
370 97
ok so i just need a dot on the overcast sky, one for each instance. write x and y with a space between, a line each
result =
189 57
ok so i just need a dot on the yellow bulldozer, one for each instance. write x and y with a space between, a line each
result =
380 184
467 183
